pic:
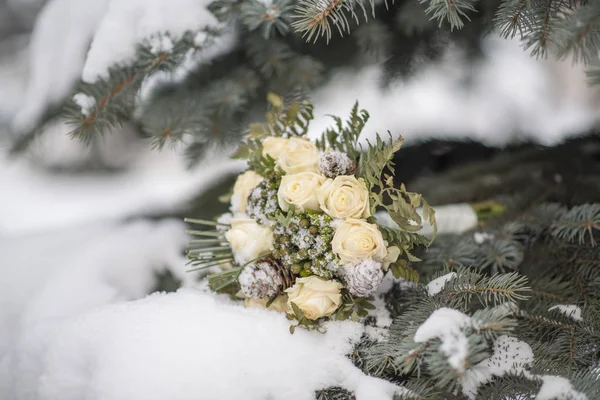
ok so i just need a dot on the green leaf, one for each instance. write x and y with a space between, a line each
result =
297 311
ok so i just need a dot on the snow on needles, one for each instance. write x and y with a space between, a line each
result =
510 356
86 102
571 311
558 388
447 324
128 22
436 285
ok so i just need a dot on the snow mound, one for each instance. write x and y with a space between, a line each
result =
50 277
189 345
155 182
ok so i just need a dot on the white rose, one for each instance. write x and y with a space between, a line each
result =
344 197
248 240
316 297
298 155
279 304
356 240
393 252
241 190
300 190
273 146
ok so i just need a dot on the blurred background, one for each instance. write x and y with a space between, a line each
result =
101 218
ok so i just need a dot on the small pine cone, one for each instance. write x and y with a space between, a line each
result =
363 278
335 163
265 278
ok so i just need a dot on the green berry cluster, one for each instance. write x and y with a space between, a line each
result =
304 245
262 201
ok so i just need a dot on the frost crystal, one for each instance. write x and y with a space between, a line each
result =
571 311
436 285
363 278
86 102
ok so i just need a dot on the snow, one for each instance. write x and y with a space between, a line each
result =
558 388
482 237
436 285
160 44
49 276
156 182
451 218
203 347
447 325
128 22
571 311
86 102
59 42
510 96
510 356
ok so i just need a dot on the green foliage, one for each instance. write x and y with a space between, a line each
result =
270 16
454 12
342 137
283 120
376 167
298 316
315 17
334 393
353 308
115 95
558 266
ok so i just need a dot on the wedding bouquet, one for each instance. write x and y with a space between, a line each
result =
301 236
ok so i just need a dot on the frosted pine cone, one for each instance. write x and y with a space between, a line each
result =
335 163
363 278
265 278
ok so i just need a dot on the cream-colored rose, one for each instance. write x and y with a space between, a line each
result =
279 304
273 146
248 240
300 190
356 240
298 155
344 197
316 297
241 190
393 252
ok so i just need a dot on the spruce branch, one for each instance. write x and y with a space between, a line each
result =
115 95
578 223
314 18
488 290
580 33
453 12
267 16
